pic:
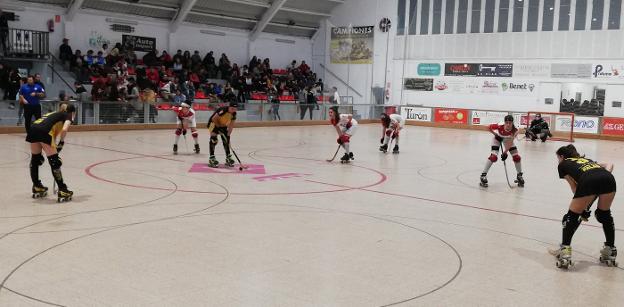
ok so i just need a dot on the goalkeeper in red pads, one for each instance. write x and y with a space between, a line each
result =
186 120
391 126
345 126
504 135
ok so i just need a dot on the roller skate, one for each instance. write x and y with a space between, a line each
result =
39 191
175 149
564 257
383 148
212 162
229 162
395 150
351 156
607 256
64 195
196 148
345 159
519 180
484 181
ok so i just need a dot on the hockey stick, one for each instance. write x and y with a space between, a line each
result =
241 166
335 154
505 165
186 145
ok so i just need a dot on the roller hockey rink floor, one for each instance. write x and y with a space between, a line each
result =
147 228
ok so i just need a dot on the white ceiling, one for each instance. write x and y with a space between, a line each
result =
293 17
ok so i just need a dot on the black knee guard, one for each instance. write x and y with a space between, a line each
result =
608 227
36 160
570 223
213 143
603 216
55 161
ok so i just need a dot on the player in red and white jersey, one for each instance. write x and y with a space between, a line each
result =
345 126
185 120
504 134
391 126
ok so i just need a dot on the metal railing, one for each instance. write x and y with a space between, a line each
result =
102 113
26 43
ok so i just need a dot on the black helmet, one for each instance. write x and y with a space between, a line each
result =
234 104
70 108
509 118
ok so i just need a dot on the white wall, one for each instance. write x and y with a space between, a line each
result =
362 77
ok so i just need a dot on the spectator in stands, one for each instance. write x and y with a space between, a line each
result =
89 59
4 32
14 85
267 64
80 90
136 112
334 98
178 98
104 50
177 65
98 91
166 59
149 59
131 57
65 52
167 91
186 60
100 60
4 80
38 81
253 63
30 94
292 66
177 56
195 60
311 102
20 111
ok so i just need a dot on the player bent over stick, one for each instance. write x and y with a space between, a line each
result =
222 123
503 135
391 126
345 127
42 137
186 120
588 180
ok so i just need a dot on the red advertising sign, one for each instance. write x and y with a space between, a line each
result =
612 126
453 116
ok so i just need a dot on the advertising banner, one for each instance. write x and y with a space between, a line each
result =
531 70
521 119
416 113
571 71
612 126
452 116
486 118
139 43
608 71
518 88
418 84
478 69
352 45
429 69
582 124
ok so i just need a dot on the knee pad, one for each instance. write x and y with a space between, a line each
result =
178 131
36 160
493 158
213 139
395 134
603 216
195 134
344 139
571 220
55 161
388 132
495 148
516 158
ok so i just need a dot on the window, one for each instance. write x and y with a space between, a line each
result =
462 16
490 7
401 18
564 15
533 15
413 18
437 16
424 17
597 13
475 26
548 15
614 14
503 13
580 15
449 17
517 16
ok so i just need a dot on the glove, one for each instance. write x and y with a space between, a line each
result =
504 156
183 131
498 138
59 147
339 141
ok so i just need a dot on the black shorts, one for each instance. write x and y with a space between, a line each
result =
595 183
37 135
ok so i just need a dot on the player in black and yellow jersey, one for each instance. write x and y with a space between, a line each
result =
588 180
222 123
42 137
